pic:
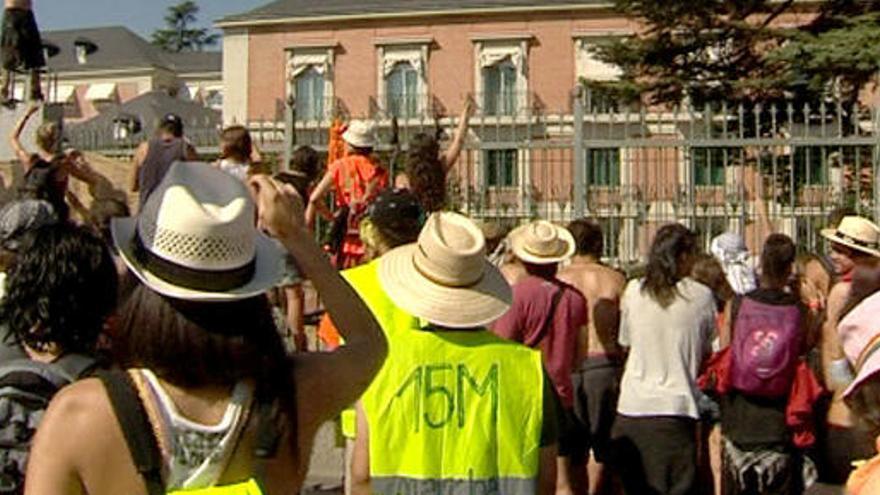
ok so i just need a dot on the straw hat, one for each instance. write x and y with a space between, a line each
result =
360 134
195 238
860 337
857 233
445 277
542 243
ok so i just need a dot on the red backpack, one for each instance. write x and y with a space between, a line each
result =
766 347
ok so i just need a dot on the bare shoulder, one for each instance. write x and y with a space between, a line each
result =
82 401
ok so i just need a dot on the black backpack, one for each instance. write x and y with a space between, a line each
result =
26 387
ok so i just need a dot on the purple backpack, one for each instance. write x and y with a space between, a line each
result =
765 348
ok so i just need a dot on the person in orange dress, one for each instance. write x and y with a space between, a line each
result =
356 180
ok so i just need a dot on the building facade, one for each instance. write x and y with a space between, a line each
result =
538 144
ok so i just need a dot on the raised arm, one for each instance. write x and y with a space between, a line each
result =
451 154
15 138
326 382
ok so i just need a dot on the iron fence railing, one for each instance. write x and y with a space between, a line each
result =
634 169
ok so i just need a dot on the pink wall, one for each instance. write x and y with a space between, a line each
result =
451 63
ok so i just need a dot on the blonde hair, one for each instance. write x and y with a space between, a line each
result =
48 135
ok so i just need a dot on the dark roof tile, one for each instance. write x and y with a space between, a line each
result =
281 9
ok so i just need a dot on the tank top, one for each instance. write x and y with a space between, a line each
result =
160 155
196 455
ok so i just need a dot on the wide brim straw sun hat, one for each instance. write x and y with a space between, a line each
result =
195 239
542 243
856 233
445 277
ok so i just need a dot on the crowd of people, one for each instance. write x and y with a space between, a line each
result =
164 352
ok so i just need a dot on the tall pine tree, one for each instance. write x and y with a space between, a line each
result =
179 35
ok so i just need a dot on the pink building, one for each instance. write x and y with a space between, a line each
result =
519 61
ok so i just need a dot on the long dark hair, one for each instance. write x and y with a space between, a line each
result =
671 244
426 173
195 344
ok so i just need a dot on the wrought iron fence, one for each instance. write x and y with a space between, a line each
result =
714 169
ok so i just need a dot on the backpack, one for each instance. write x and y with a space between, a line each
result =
26 387
765 348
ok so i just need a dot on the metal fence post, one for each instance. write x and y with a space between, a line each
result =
289 130
579 172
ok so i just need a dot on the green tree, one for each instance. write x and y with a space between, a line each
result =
179 35
735 51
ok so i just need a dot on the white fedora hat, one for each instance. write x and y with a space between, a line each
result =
856 233
542 243
360 134
195 238
445 276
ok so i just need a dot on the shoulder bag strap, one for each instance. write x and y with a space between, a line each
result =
545 326
136 427
734 312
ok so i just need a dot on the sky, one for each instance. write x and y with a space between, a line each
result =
141 16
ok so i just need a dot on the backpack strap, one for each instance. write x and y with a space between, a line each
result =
135 425
734 312
45 371
545 326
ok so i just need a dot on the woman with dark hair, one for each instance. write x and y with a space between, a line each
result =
426 167
668 323
208 397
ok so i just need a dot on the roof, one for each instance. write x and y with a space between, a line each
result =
304 10
148 109
195 62
118 48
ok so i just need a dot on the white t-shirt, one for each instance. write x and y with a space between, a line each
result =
238 170
667 346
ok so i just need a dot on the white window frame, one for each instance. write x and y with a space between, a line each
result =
489 52
413 53
320 58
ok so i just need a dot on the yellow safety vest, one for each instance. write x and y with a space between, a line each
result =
364 279
457 413
250 487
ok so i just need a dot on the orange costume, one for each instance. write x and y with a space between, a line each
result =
357 180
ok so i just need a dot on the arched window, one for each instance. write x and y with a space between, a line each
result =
401 90
499 88
310 95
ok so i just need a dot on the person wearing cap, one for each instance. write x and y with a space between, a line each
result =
549 315
667 323
392 220
205 396
455 408
153 158
17 219
730 250
355 179
853 242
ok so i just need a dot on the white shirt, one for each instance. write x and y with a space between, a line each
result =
667 346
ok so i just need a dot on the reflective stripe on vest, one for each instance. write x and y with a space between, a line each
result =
495 486
457 410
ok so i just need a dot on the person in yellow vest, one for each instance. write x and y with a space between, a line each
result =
455 409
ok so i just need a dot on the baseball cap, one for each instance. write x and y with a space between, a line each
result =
397 214
19 217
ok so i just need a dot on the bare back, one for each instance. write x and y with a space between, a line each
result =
17 4
87 441
602 287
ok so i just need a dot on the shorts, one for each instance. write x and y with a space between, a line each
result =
655 454
20 42
596 387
